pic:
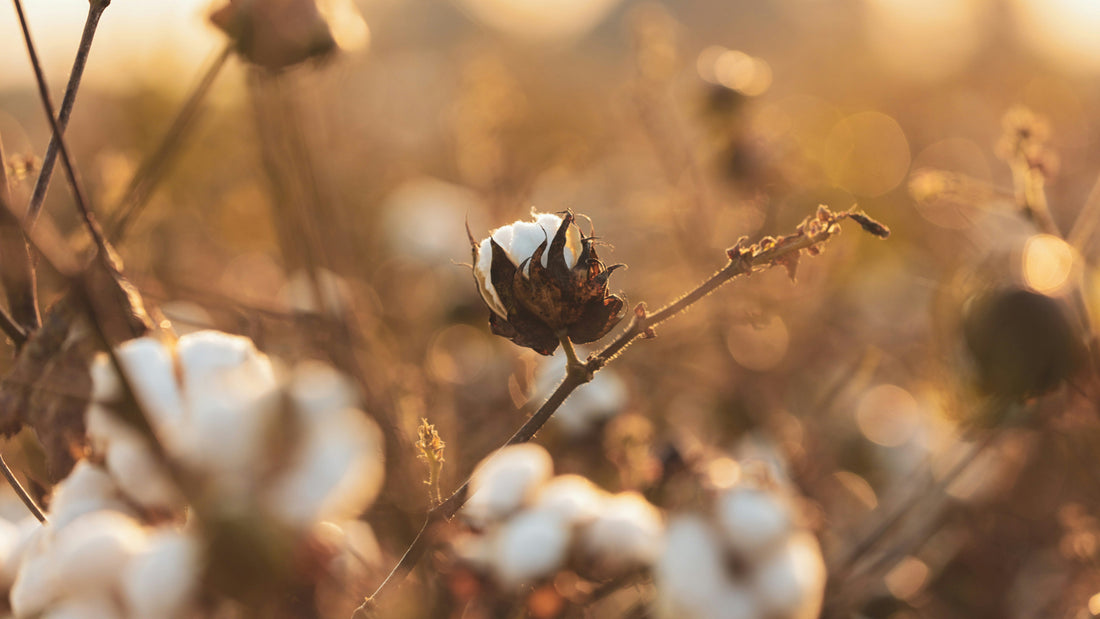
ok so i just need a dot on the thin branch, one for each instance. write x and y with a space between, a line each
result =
42 185
141 186
744 259
21 492
66 160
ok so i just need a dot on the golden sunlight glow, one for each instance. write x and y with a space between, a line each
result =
1064 31
1048 262
927 39
540 20
723 473
134 42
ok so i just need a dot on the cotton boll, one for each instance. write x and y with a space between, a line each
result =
106 387
690 575
28 532
141 476
336 472
752 520
230 390
36 586
161 581
10 539
87 488
505 481
530 546
626 533
519 240
98 606
89 554
791 582
103 427
149 367
573 497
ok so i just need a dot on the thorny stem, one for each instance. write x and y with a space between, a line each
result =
145 179
743 260
66 160
95 11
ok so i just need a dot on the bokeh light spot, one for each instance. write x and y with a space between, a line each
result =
1047 263
907 578
760 346
458 354
867 153
887 415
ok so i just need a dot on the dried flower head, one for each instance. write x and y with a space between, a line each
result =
543 281
275 34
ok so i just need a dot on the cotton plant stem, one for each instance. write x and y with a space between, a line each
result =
42 185
66 159
743 260
17 274
21 492
842 569
141 186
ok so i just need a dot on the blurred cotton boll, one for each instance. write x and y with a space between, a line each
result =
625 534
424 218
585 409
542 525
530 546
750 560
218 406
504 481
540 21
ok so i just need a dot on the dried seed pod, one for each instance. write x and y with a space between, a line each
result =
1022 343
541 290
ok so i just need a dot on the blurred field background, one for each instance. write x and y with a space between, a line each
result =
676 128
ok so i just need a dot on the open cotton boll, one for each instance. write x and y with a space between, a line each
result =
530 546
791 582
601 399
88 488
690 575
753 521
625 534
505 481
150 370
98 606
162 580
35 587
336 471
88 555
27 537
141 476
573 497
519 240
